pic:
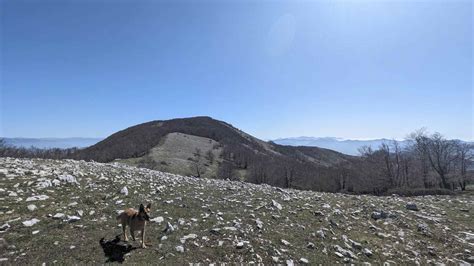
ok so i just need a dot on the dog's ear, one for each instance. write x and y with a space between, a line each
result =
142 208
148 206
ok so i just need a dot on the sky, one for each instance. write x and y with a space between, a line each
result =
350 69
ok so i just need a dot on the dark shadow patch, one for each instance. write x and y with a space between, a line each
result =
114 250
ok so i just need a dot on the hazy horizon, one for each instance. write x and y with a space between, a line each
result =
354 70
265 139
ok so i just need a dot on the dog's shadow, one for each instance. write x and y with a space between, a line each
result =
115 250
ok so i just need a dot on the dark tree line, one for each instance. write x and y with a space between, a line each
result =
33 152
426 161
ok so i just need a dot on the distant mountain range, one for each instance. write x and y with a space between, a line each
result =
45 143
346 146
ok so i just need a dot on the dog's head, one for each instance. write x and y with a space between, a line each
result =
144 212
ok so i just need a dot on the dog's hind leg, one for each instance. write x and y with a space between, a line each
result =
132 233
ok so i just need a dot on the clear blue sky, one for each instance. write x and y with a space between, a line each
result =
352 69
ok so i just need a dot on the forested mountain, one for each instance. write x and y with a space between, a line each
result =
205 147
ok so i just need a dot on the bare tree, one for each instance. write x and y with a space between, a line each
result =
465 153
365 151
210 156
392 157
196 164
441 153
420 140
408 159
385 151
289 175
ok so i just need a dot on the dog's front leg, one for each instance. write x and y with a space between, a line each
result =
143 237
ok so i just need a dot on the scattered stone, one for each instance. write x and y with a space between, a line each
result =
321 234
276 205
240 245
284 242
32 207
367 252
412 207
304 261
158 219
190 236
58 216
422 227
68 179
376 215
31 222
124 191
344 252
35 198
355 244
169 228
44 183
73 218
259 224
179 249
4 227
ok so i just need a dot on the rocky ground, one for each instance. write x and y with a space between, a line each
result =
65 212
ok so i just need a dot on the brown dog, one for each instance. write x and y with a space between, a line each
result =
136 220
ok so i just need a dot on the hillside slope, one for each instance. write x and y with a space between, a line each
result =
207 147
58 211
